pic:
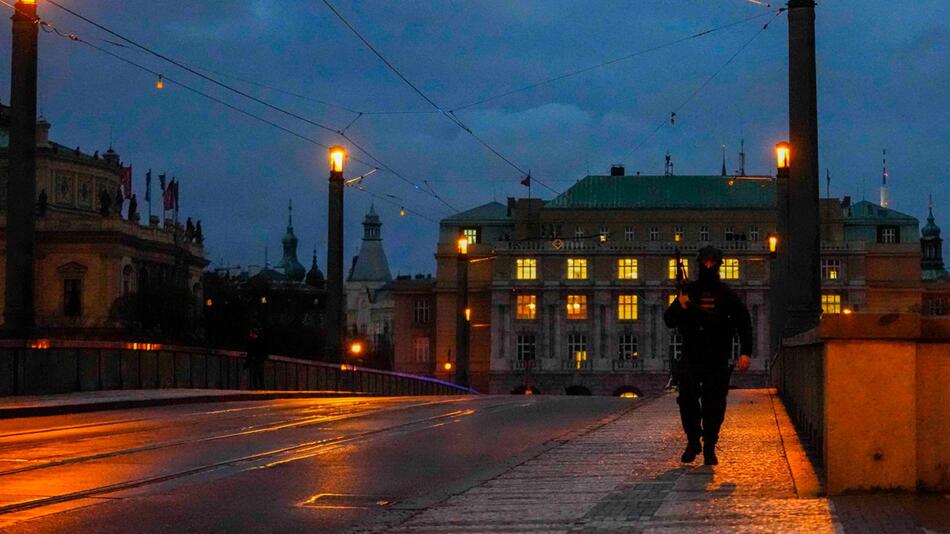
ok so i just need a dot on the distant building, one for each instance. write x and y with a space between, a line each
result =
88 256
369 304
571 292
414 320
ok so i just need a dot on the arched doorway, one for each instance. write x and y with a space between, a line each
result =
628 392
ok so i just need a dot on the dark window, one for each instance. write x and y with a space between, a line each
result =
888 234
421 311
72 297
526 346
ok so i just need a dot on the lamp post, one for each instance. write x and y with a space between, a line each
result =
801 236
778 268
19 312
463 314
334 308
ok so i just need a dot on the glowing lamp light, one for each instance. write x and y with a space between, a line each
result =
603 238
28 2
677 237
337 158
41 344
160 83
532 306
209 303
773 243
402 212
447 366
463 245
468 314
847 311
263 300
783 155
628 395
528 391
356 348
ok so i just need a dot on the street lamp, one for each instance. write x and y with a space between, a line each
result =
783 156
462 313
334 307
773 244
356 348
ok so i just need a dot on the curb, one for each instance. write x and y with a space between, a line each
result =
72 408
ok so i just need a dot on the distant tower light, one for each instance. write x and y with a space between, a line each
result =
160 83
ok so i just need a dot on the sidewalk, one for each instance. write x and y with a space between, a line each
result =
91 401
626 476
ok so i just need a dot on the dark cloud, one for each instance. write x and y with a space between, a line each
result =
883 73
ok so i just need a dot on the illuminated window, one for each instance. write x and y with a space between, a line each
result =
677 233
654 233
754 232
830 269
577 269
672 268
471 234
527 306
420 349
578 232
704 233
577 349
629 234
672 298
831 303
526 346
627 269
577 307
421 311
627 307
526 269
676 345
604 233
729 270
628 347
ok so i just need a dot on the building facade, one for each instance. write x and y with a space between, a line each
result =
369 303
570 293
88 255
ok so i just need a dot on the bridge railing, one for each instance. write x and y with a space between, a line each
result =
37 367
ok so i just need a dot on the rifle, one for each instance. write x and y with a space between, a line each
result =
680 284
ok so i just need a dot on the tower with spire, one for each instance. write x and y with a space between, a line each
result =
289 264
931 247
369 301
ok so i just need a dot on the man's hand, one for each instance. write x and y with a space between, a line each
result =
683 300
744 362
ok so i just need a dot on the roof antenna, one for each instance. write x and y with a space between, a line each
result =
724 160
884 200
741 171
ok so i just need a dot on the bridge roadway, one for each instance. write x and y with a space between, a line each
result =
316 465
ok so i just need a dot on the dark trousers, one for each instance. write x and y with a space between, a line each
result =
256 371
702 400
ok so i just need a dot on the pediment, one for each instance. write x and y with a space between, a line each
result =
72 268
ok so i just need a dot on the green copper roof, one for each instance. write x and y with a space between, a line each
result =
667 192
865 211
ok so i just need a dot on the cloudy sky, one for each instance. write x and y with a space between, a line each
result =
883 77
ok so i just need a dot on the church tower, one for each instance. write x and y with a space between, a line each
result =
289 263
931 248
371 264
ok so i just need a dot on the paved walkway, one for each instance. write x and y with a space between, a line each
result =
625 475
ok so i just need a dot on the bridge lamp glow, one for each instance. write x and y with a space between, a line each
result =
160 83
847 310
356 348
263 300
209 303
337 158
447 366
773 244
783 155
463 245
468 314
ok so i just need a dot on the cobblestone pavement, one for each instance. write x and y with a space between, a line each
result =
626 476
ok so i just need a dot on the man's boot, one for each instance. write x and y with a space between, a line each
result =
709 454
692 449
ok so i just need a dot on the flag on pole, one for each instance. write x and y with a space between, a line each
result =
148 186
161 181
176 196
127 182
168 195
527 180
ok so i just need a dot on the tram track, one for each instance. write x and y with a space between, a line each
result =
298 451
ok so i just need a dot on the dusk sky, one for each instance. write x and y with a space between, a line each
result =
883 78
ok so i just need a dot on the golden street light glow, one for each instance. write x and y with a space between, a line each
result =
28 2
847 311
463 245
402 212
209 303
468 314
447 366
773 243
783 155
263 300
337 158
628 395
356 348
160 83
677 237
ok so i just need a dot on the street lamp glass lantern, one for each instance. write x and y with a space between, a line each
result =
773 243
337 158
463 245
783 155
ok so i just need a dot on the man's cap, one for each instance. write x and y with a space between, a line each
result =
710 252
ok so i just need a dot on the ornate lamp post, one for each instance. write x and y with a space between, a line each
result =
463 314
334 309
19 312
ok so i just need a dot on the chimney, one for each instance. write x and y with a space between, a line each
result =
617 170
42 132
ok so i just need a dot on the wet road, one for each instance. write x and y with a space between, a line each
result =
320 465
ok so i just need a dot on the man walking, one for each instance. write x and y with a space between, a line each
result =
707 314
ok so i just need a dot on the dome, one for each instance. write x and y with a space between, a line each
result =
315 276
930 229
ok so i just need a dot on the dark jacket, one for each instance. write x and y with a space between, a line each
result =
709 322
257 350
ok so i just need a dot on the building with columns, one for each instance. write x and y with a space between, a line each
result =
88 254
570 293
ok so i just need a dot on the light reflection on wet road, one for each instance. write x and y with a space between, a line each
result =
313 464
